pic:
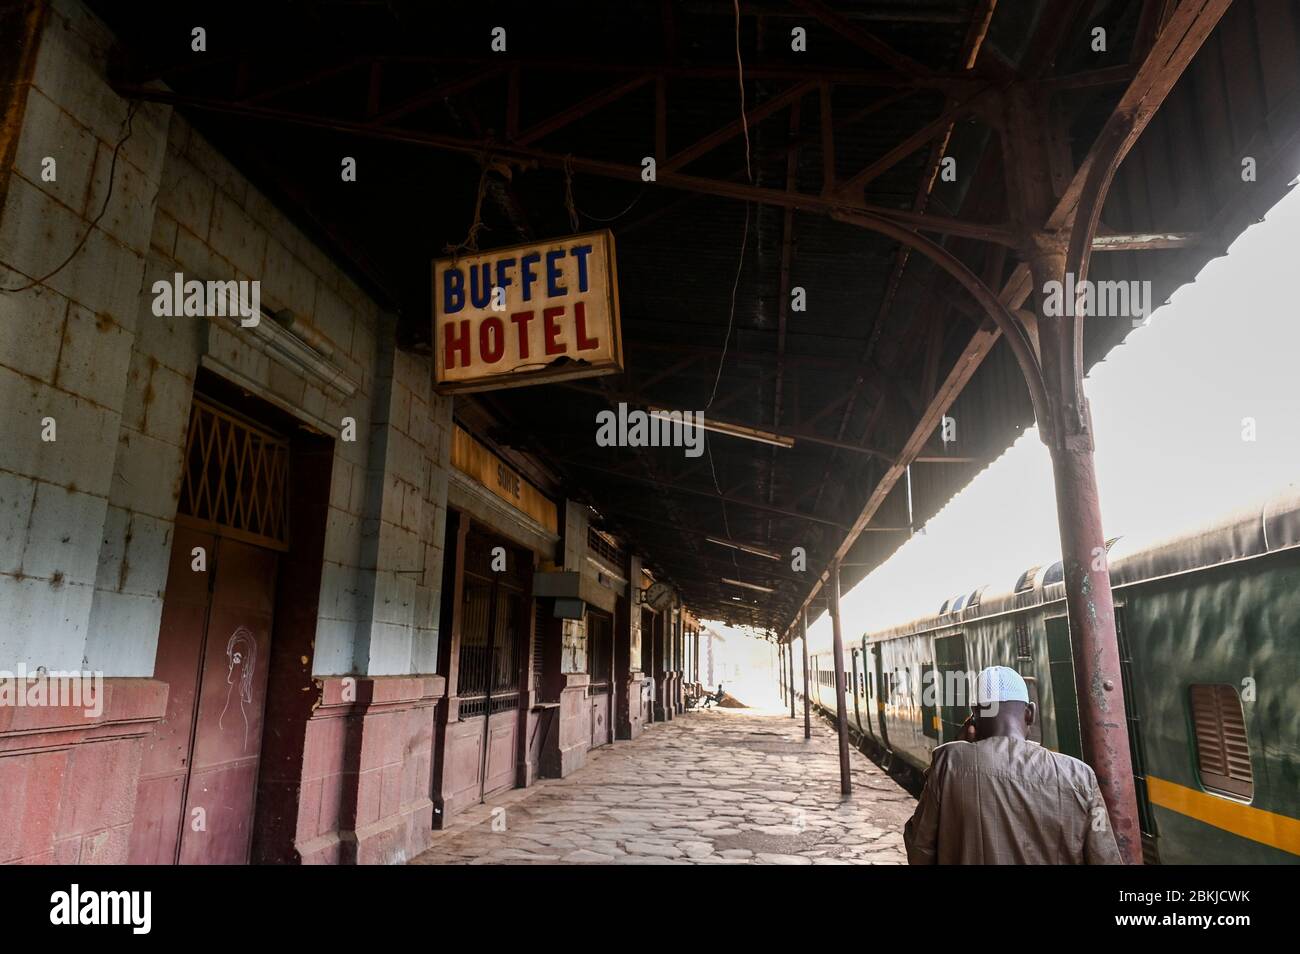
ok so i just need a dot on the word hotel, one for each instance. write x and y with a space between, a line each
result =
543 331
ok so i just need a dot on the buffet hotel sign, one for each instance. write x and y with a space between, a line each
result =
527 314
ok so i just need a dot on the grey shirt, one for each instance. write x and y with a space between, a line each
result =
1006 801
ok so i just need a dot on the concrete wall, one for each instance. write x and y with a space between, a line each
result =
86 519
65 350
573 651
405 519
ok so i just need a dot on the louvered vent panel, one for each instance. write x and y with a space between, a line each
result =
1222 749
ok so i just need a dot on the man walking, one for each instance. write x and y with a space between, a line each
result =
997 798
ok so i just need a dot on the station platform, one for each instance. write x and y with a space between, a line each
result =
714 786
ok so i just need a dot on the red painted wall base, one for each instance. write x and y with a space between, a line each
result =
68 779
367 771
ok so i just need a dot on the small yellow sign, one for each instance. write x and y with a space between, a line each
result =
495 475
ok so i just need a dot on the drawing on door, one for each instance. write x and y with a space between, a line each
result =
241 657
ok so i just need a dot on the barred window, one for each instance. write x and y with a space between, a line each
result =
1022 638
235 478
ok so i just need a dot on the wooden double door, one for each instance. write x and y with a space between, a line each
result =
198 781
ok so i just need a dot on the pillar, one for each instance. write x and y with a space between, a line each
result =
807 714
1069 437
629 678
780 670
841 720
789 655
447 716
1066 428
663 707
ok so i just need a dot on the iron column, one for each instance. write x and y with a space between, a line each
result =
789 653
780 671
1102 721
841 720
807 716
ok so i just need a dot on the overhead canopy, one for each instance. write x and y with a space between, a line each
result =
744 291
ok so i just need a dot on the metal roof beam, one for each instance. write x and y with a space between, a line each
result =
702 492
1169 55
882 51
707 144
579 110
874 218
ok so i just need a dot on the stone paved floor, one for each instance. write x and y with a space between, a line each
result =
718 786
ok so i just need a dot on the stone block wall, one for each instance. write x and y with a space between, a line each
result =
87 518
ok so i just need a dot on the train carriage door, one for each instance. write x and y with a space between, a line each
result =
1065 705
953 685
857 713
880 693
931 694
1146 820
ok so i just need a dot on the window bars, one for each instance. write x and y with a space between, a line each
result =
488 673
235 478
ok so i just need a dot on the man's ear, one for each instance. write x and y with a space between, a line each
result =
1031 711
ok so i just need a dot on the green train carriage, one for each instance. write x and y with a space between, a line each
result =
1209 630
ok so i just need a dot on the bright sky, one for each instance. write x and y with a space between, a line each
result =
1168 407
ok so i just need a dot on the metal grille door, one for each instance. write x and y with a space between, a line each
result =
488 679
475 647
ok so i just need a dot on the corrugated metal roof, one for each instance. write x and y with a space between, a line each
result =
847 370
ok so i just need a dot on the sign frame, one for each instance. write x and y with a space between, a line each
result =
558 369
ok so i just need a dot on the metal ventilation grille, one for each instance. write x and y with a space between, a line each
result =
1222 750
235 478
539 646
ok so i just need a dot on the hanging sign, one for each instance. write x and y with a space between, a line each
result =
527 314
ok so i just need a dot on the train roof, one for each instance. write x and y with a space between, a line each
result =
1244 534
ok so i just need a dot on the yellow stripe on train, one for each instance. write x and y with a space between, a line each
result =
1268 828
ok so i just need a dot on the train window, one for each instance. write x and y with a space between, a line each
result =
1222 750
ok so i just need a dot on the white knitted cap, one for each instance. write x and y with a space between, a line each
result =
1000 684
